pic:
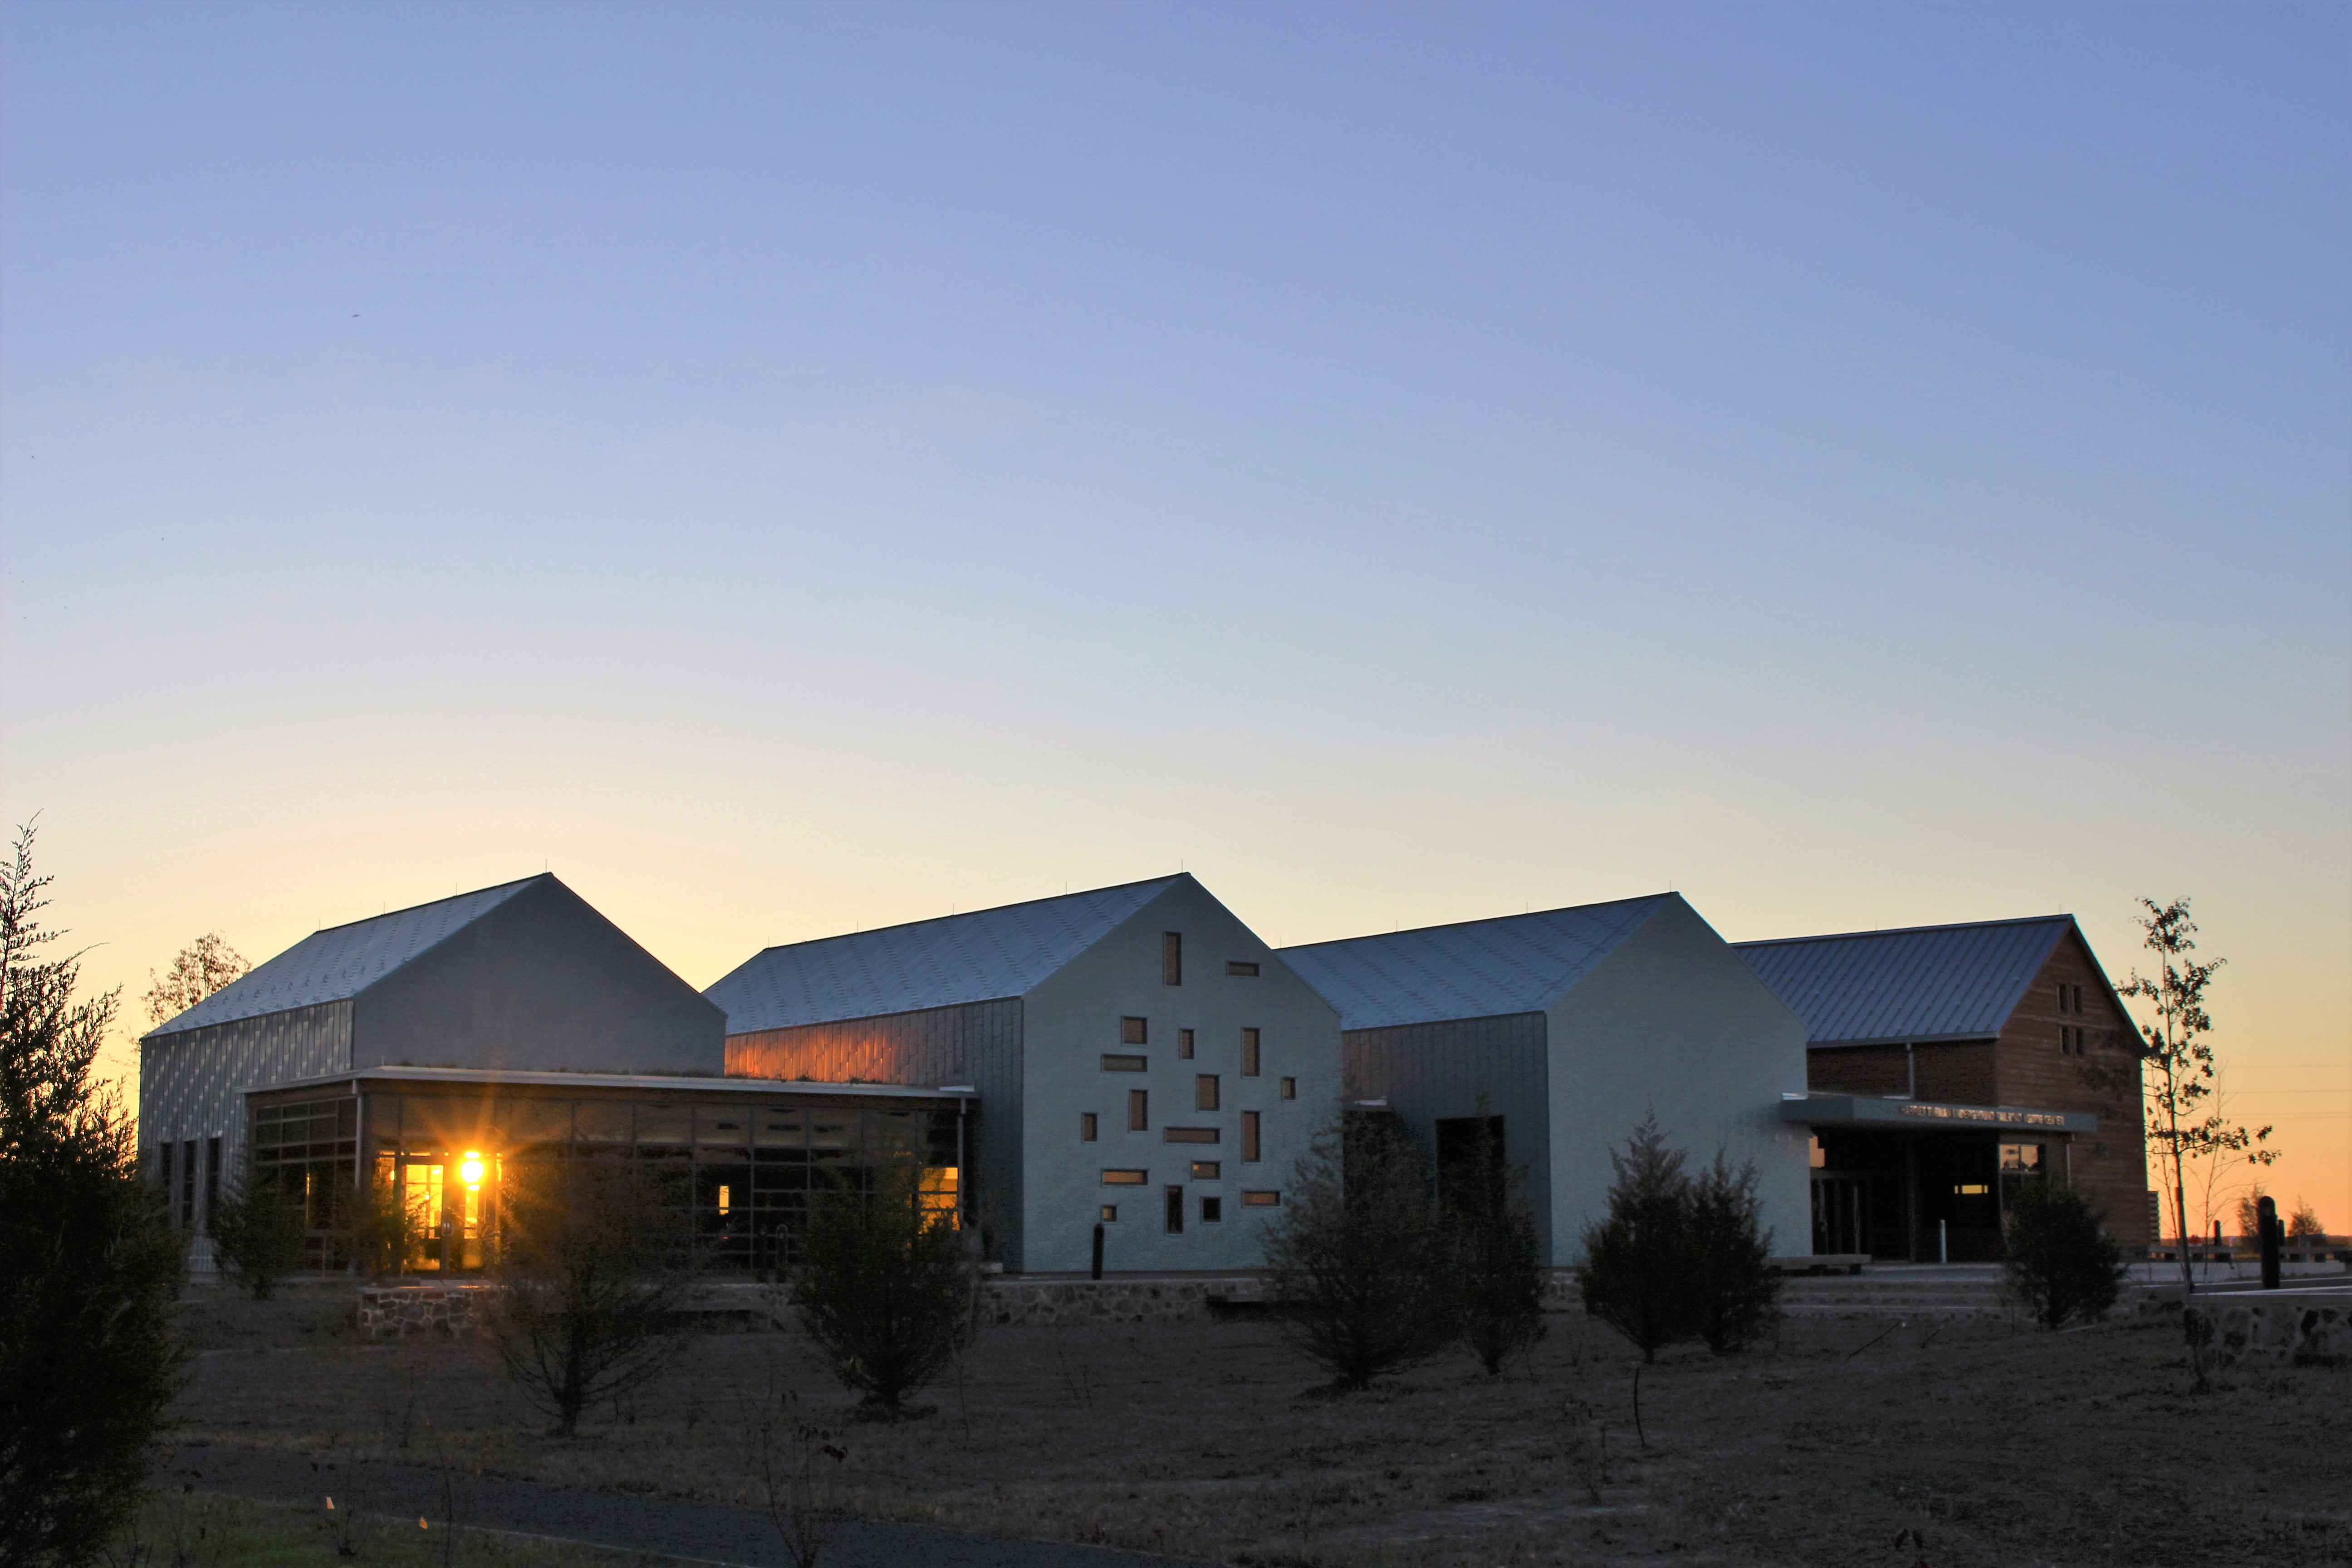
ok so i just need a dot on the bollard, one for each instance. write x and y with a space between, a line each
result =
1097 1252
1943 1243
2266 1220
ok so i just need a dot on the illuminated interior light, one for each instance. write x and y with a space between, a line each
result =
471 1169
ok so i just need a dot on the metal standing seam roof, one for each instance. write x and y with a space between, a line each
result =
339 963
983 956
1477 969
1928 983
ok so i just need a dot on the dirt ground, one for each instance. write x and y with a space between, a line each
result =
1996 1445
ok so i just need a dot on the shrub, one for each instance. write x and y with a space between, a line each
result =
591 1272
1734 1296
259 1235
2305 1225
1493 1254
2061 1264
883 1285
1356 1261
1639 1275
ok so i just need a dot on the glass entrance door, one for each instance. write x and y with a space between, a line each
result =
1840 1215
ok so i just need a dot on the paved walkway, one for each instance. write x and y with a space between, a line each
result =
621 1522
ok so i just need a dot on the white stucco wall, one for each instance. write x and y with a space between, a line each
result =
1071 1020
1673 1022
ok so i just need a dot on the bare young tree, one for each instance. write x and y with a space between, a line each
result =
1357 1260
593 1271
2173 1066
204 966
883 1285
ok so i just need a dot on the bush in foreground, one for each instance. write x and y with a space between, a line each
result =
1492 1252
1638 1273
259 1235
1357 1260
883 1285
2061 1264
1734 1294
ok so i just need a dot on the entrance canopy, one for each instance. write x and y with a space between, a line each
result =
1878 1114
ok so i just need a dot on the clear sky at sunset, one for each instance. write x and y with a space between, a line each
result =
787 468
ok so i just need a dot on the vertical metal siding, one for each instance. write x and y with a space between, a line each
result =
979 1043
1429 1071
192 1084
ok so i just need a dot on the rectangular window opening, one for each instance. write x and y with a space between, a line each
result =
1249 1135
1090 1127
1249 1053
1126 1064
1171 958
1290 1088
1241 967
1191 1135
1119 1178
1134 1031
1261 1200
1175 1211
1212 1210
1207 1170
1138 1111
1109 1214
1204 1092
1183 1045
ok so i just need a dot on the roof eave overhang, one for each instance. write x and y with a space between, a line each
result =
1928 1115
494 1077
1966 1037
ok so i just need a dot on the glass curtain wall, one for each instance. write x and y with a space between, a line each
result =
742 1170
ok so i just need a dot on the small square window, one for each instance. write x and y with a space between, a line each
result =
1241 967
1205 1169
1171 958
1133 1031
1204 1092
1183 1045
1212 1210
1138 1111
1110 1213
1261 1200
1290 1088
1087 1127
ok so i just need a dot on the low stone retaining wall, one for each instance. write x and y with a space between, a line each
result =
391 1311
2245 1329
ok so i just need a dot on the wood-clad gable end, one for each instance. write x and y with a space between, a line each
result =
2046 1054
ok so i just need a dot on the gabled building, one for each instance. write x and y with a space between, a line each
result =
1946 1064
1136 1057
1574 1024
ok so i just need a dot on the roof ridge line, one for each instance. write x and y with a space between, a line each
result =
961 915
411 909
1481 919
1905 930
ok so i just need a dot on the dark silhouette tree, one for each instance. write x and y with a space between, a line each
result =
882 1283
88 1360
1639 1277
1493 1255
1357 1260
1734 1293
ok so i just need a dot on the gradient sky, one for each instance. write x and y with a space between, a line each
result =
792 467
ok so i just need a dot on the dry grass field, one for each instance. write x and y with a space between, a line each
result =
1995 1445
